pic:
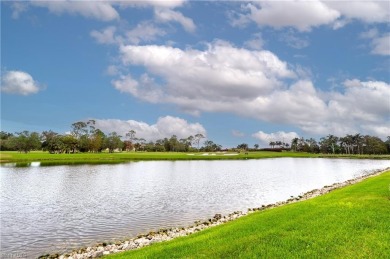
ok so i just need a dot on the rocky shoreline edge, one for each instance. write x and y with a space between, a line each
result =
162 235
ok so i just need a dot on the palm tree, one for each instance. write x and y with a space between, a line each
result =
333 142
358 139
294 144
349 142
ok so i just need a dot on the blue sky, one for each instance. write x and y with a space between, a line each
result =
234 71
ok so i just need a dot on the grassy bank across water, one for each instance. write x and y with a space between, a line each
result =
106 158
352 222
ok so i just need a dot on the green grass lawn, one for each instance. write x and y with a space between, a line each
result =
352 222
103 158
134 156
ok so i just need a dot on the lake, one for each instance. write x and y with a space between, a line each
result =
59 208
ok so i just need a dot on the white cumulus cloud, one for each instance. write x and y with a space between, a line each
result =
302 15
165 127
364 106
142 32
107 10
167 15
209 79
106 36
381 45
100 10
364 99
145 88
305 15
256 42
224 78
370 34
366 11
293 40
19 82
164 11
152 3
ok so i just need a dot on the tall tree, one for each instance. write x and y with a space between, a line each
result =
210 146
113 141
374 145
388 144
51 142
243 146
5 143
79 128
70 143
26 141
80 131
141 142
130 143
91 126
328 144
159 145
313 146
197 139
190 140
348 143
97 140
294 144
131 135
358 141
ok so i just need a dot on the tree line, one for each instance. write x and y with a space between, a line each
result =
349 144
85 137
331 144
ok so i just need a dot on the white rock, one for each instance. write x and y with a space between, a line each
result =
132 245
97 254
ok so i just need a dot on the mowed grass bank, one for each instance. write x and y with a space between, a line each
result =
352 222
118 157
104 158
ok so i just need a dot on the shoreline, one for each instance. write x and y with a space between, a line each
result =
142 240
46 159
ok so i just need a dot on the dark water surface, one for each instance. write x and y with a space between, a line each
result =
59 208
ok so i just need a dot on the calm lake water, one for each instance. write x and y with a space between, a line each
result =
58 208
